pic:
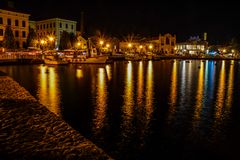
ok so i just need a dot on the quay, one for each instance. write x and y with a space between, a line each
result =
30 131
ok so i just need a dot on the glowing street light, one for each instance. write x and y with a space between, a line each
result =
101 42
140 46
42 42
224 50
150 46
78 43
129 45
51 39
108 45
233 50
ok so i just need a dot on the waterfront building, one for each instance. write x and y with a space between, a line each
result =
164 44
19 23
193 46
54 27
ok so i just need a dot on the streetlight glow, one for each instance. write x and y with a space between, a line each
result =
108 45
51 39
101 42
129 45
141 46
150 46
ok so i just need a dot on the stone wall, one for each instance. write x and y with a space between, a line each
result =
30 131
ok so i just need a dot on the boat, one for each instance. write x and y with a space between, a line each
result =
54 61
95 60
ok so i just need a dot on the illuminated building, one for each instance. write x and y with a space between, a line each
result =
18 22
54 27
165 44
193 46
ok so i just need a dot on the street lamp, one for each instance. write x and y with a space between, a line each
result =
51 39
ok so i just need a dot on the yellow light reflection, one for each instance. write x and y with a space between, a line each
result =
230 85
149 91
140 84
109 74
173 92
49 93
79 73
128 96
199 96
220 93
101 101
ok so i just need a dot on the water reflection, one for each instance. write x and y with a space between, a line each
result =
79 73
128 104
199 96
49 93
128 94
220 93
140 84
101 101
149 92
109 73
173 91
230 86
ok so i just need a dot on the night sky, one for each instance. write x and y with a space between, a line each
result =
221 20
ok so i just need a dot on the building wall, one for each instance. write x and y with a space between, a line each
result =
167 43
192 47
19 25
54 27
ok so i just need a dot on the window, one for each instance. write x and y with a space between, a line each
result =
37 26
1 20
40 26
16 34
9 21
54 24
23 24
23 34
1 32
16 22
66 25
44 26
47 25
60 25
72 26
50 25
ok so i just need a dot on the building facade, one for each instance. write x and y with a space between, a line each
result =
19 23
165 44
54 28
193 46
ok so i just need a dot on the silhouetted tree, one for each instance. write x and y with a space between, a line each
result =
73 39
31 38
65 42
8 40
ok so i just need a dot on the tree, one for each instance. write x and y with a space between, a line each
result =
73 39
31 38
8 40
65 42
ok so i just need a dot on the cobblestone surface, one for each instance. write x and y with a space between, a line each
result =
30 131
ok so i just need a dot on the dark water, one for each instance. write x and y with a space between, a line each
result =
145 110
